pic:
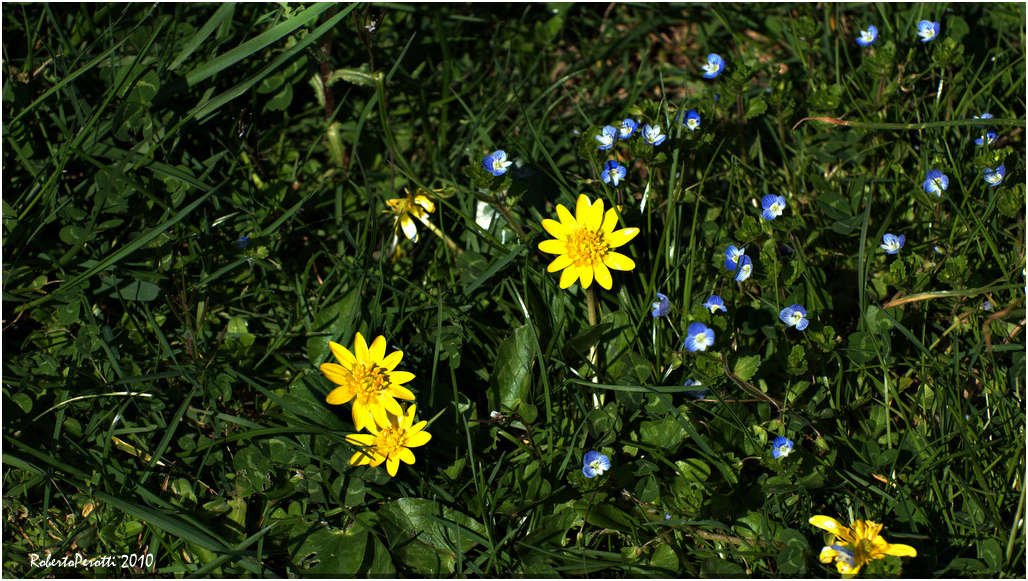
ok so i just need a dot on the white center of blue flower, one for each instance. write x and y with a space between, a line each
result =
596 466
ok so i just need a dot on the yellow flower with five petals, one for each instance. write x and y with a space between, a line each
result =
583 244
853 547
390 441
369 378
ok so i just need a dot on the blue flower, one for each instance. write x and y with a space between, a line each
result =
892 244
935 182
986 306
714 303
608 135
699 393
628 127
868 37
496 163
773 206
613 172
927 30
243 242
715 64
661 306
652 136
794 316
990 136
745 269
732 256
594 464
699 337
983 116
692 120
781 447
994 177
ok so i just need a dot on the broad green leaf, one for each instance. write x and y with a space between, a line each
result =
512 372
424 543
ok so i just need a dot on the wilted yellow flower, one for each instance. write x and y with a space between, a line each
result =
368 377
583 244
390 441
852 548
407 206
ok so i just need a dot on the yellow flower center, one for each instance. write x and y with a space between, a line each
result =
389 441
370 380
586 247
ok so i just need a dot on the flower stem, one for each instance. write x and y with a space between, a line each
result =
432 228
590 296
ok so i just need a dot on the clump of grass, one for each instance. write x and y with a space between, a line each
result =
201 200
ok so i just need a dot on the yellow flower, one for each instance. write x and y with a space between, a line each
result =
390 441
583 244
368 377
852 548
407 206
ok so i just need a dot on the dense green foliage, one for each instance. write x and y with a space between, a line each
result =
194 206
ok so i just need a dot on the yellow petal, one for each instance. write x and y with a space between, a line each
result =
406 456
586 274
361 439
398 377
337 374
590 216
363 417
553 246
618 261
610 221
603 277
360 347
339 396
400 392
359 459
392 463
899 550
410 230
392 360
377 350
827 523
560 263
569 276
425 203
555 228
389 405
621 237
342 354
827 555
378 412
566 219
418 439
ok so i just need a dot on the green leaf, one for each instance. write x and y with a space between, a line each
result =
664 558
665 434
861 347
755 107
746 367
332 319
251 465
512 371
722 569
427 536
797 364
991 552
791 561
332 553
604 516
